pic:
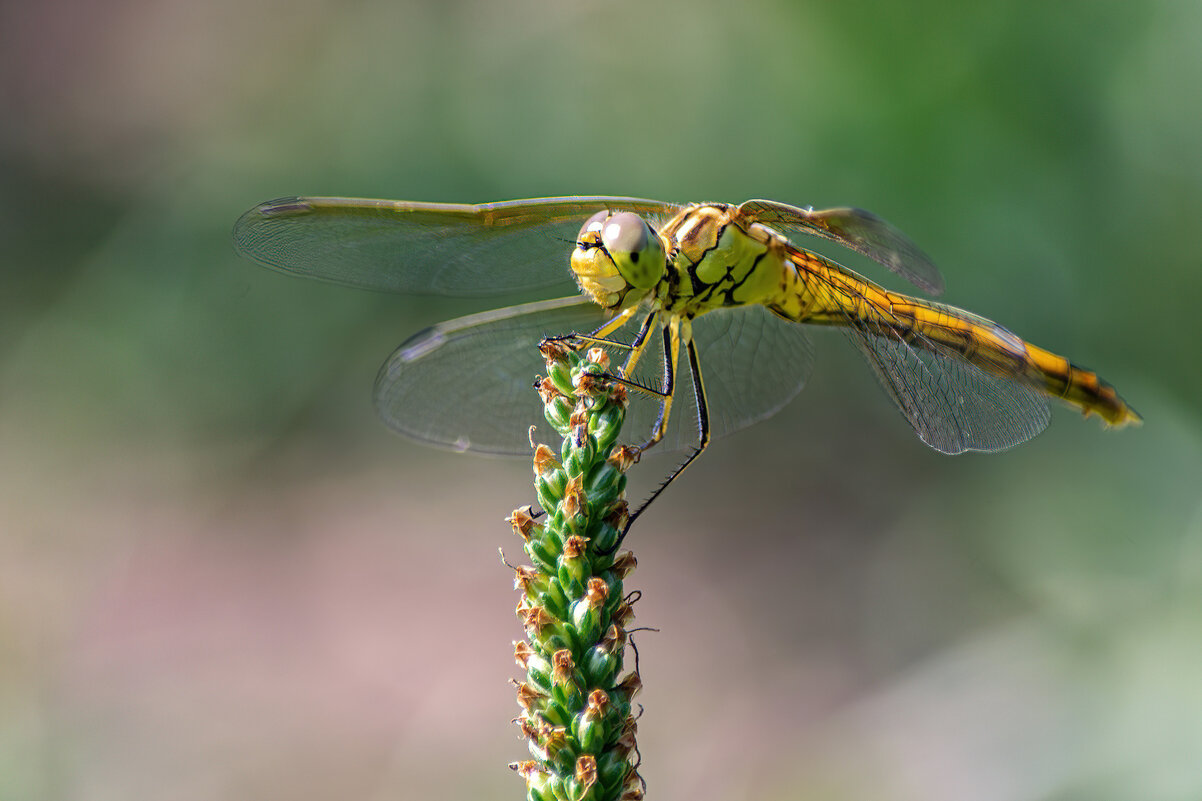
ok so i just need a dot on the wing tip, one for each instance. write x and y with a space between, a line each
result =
283 205
246 233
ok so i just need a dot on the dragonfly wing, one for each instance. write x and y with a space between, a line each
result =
859 230
953 405
467 384
425 248
752 364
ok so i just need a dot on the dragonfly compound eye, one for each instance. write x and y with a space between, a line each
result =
634 248
593 225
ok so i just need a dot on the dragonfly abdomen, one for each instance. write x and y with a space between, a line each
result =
998 351
822 294
1079 387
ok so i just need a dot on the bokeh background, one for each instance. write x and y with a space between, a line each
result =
222 578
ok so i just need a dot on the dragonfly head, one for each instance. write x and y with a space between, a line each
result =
617 253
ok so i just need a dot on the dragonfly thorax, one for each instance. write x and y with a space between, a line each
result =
717 262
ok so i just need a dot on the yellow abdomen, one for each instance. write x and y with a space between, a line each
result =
820 292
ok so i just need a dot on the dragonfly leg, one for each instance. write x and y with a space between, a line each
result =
601 335
666 393
639 344
703 435
636 349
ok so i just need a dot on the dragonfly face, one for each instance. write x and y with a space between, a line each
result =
618 259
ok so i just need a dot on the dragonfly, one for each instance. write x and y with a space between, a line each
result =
727 284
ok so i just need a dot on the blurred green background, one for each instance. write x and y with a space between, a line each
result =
222 578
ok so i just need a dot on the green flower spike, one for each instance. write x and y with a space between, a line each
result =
576 706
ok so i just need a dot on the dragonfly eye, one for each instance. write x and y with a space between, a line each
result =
635 249
592 225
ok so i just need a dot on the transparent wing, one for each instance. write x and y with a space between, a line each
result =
856 229
425 248
953 405
752 363
467 384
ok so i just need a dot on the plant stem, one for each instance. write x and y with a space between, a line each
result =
576 706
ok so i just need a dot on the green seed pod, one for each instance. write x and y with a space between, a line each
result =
586 620
604 538
543 558
612 769
554 598
559 413
599 666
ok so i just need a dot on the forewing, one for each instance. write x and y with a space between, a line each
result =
859 230
425 248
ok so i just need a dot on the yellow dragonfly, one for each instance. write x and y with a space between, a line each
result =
725 283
